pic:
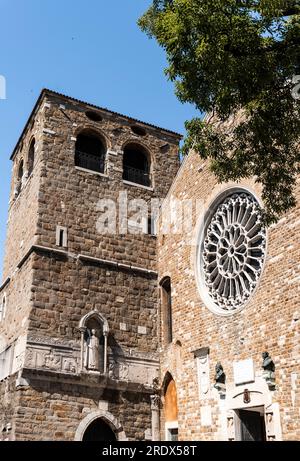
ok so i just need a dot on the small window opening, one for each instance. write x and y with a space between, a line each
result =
166 301
61 237
139 131
150 225
3 308
165 148
21 170
94 116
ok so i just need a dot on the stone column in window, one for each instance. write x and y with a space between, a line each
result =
105 334
82 331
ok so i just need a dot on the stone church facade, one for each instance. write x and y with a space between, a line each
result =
233 351
190 334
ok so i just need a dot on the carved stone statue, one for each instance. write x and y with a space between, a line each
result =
268 363
220 376
94 332
220 379
269 369
92 353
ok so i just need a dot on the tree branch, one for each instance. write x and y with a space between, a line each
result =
277 46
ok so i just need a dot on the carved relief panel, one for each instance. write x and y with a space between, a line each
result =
52 359
202 362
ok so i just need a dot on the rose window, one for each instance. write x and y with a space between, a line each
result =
233 251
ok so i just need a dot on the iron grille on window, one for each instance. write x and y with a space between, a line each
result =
89 161
137 176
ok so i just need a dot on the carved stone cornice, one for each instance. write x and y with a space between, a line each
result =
93 380
64 357
49 341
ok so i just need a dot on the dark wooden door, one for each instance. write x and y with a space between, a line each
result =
252 426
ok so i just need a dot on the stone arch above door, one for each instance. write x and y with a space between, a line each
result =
107 417
170 407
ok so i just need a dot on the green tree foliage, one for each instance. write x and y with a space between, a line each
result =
237 58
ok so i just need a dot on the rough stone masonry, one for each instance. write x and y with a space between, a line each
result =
62 279
190 335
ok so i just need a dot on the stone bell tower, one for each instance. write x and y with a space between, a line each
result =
79 297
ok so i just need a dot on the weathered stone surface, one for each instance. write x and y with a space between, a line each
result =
52 288
46 395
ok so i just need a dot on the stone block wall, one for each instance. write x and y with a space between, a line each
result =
8 404
49 410
70 197
23 208
64 290
51 288
18 294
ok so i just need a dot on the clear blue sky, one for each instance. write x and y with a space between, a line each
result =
91 50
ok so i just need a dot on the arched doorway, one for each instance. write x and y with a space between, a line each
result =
171 409
99 431
100 424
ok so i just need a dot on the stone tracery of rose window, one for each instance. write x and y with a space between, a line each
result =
233 251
